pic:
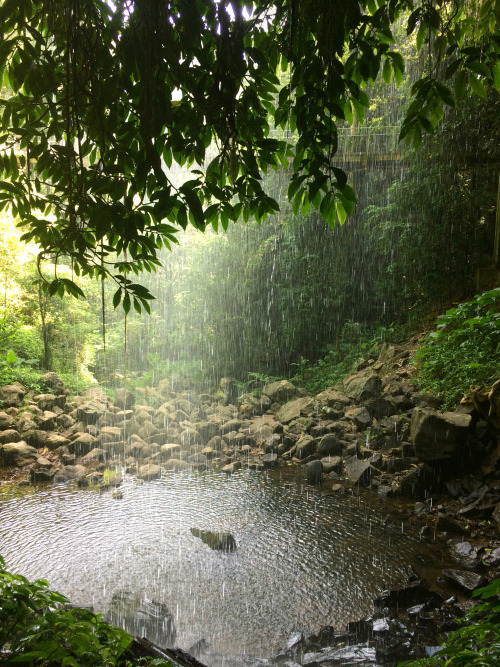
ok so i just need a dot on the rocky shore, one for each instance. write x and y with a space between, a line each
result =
439 472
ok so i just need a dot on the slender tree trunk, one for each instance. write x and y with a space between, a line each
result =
47 352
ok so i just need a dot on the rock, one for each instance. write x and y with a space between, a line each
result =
437 436
407 596
12 395
280 391
231 467
446 524
359 471
218 541
69 473
419 483
47 421
208 430
465 554
141 616
6 421
231 425
360 417
467 580
177 465
363 386
383 406
331 464
95 454
147 430
169 450
228 391
333 399
40 475
124 399
329 445
82 444
17 453
10 435
53 381
54 440
149 471
90 411
294 409
49 401
269 460
305 446
313 472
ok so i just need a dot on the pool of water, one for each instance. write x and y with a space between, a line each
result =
303 560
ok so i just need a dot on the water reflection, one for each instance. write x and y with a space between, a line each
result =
302 560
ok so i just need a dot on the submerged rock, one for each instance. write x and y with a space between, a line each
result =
217 541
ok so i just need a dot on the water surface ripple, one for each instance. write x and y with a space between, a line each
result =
303 560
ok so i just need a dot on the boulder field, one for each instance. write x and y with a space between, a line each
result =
374 432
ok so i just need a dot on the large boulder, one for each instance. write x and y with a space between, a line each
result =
437 436
306 446
332 398
10 435
419 483
218 541
17 453
294 409
12 395
124 399
228 391
363 386
329 445
313 471
281 391
54 382
90 411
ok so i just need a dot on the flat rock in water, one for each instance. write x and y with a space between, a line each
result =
217 541
358 470
468 580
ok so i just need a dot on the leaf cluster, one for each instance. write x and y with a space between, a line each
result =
463 350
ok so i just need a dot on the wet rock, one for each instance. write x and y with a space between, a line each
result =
82 444
306 446
360 417
6 421
141 616
407 596
333 399
17 453
12 395
281 391
294 409
124 399
90 411
313 472
383 406
41 475
419 483
53 381
95 454
231 467
218 541
10 435
363 386
332 463
69 473
53 441
358 655
147 430
177 465
465 554
269 460
231 425
446 524
329 445
149 471
466 580
170 450
208 430
49 401
359 471
437 436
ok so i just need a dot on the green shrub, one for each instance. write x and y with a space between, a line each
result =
464 350
477 642
36 629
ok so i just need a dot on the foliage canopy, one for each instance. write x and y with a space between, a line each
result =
101 99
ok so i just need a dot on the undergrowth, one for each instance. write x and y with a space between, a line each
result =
464 350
